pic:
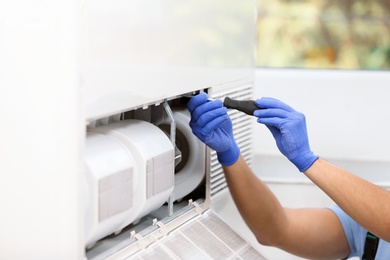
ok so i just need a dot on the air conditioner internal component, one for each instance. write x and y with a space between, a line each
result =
190 172
172 178
130 174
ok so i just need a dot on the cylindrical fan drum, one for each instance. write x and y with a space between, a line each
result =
190 172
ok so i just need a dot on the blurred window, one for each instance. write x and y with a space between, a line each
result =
327 34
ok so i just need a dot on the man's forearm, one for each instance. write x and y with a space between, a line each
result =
256 203
366 203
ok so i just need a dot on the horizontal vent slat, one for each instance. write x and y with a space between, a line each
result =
246 154
218 189
242 129
217 179
242 95
243 125
246 149
243 136
217 174
235 93
245 145
218 183
215 166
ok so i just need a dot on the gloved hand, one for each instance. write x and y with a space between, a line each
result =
289 130
213 126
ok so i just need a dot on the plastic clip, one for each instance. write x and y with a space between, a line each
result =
195 204
140 241
162 228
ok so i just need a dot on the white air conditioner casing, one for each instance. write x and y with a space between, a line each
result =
90 172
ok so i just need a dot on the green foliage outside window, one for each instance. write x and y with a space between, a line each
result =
328 34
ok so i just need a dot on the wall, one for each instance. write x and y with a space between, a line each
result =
346 111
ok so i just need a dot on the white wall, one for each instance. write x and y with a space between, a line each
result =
347 112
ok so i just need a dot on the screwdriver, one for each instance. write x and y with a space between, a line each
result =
246 106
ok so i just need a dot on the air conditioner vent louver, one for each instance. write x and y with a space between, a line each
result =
242 129
204 237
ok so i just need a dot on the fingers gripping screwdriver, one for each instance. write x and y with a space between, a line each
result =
246 106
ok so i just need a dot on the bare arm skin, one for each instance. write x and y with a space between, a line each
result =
366 203
310 233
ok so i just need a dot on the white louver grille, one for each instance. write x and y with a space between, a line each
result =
204 237
242 129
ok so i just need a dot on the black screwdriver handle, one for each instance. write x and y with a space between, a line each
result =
246 106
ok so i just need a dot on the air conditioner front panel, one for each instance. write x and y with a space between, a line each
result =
135 53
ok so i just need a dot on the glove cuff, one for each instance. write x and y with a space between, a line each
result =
229 156
306 161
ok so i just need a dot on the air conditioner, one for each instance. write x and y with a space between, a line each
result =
109 162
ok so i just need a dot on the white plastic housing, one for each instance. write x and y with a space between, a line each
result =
130 171
135 53
153 155
110 184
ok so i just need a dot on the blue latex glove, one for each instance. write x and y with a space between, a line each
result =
213 126
289 130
